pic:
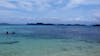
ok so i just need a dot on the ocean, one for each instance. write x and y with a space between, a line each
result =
42 40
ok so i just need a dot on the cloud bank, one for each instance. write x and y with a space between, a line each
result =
64 10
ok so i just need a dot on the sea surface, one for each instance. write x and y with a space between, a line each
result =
39 40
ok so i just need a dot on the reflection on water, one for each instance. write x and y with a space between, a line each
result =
50 41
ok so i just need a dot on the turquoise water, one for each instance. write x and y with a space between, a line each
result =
50 41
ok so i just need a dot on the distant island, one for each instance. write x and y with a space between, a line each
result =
10 24
4 24
55 24
39 24
51 24
62 24
96 25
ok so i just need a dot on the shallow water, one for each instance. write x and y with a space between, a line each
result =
50 41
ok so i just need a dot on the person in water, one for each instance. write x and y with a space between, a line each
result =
7 33
13 32
10 33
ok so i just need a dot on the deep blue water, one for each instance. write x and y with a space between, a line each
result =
52 32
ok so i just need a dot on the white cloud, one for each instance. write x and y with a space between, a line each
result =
29 5
5 12
73 4
96 2
7 4
96 13
42 4
76 3
25 5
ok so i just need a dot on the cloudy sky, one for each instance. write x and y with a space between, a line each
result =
50 11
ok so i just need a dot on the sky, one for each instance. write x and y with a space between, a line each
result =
50 11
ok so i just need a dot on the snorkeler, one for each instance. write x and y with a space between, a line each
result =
7 33
13 32
10 33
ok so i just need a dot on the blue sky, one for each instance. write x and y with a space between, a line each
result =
50 11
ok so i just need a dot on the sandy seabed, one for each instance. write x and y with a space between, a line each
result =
50 47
